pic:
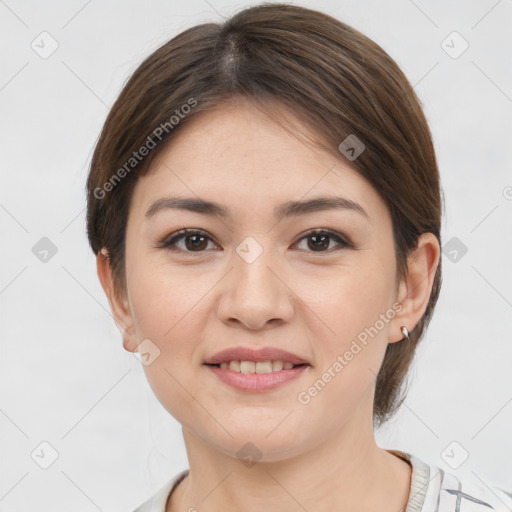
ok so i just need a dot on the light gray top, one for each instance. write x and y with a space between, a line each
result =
432 490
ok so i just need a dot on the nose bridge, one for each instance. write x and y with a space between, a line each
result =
252 264
255 294
253 270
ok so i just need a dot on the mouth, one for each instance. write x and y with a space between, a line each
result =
253 369
257 376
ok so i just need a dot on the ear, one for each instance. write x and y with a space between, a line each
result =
415 288
118 305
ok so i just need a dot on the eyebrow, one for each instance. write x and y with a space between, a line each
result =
288 209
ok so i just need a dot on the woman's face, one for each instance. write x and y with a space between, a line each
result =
254 278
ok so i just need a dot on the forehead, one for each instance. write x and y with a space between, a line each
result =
237 155
243 137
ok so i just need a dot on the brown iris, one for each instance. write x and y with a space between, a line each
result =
323 239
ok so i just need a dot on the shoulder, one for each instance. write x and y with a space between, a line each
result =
158 501
443 491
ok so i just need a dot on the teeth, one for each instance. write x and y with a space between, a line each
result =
256 367
248 366
277 366
263 366
234 366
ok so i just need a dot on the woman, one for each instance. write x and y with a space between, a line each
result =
264 203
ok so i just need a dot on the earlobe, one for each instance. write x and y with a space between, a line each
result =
415 288
118 304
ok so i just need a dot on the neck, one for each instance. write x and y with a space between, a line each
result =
348 473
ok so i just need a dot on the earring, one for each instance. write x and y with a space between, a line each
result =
405 332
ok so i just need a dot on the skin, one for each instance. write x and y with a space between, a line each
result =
321 456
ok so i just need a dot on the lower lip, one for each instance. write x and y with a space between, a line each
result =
257 381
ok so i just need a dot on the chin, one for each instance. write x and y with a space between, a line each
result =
250 451
271 441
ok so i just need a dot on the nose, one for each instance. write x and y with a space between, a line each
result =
255 294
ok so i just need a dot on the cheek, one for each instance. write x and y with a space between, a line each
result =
357 298
357 311
162 299
165 311
351 350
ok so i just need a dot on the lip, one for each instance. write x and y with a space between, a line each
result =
256 382
257 355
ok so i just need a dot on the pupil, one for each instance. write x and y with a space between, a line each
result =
323 239
201 239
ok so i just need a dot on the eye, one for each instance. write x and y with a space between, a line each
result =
321 238
194 241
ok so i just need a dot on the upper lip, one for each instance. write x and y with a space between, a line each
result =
252 354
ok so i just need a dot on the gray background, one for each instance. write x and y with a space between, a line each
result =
65 378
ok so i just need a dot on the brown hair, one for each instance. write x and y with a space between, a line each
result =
332 77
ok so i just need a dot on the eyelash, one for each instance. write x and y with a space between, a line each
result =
169 242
